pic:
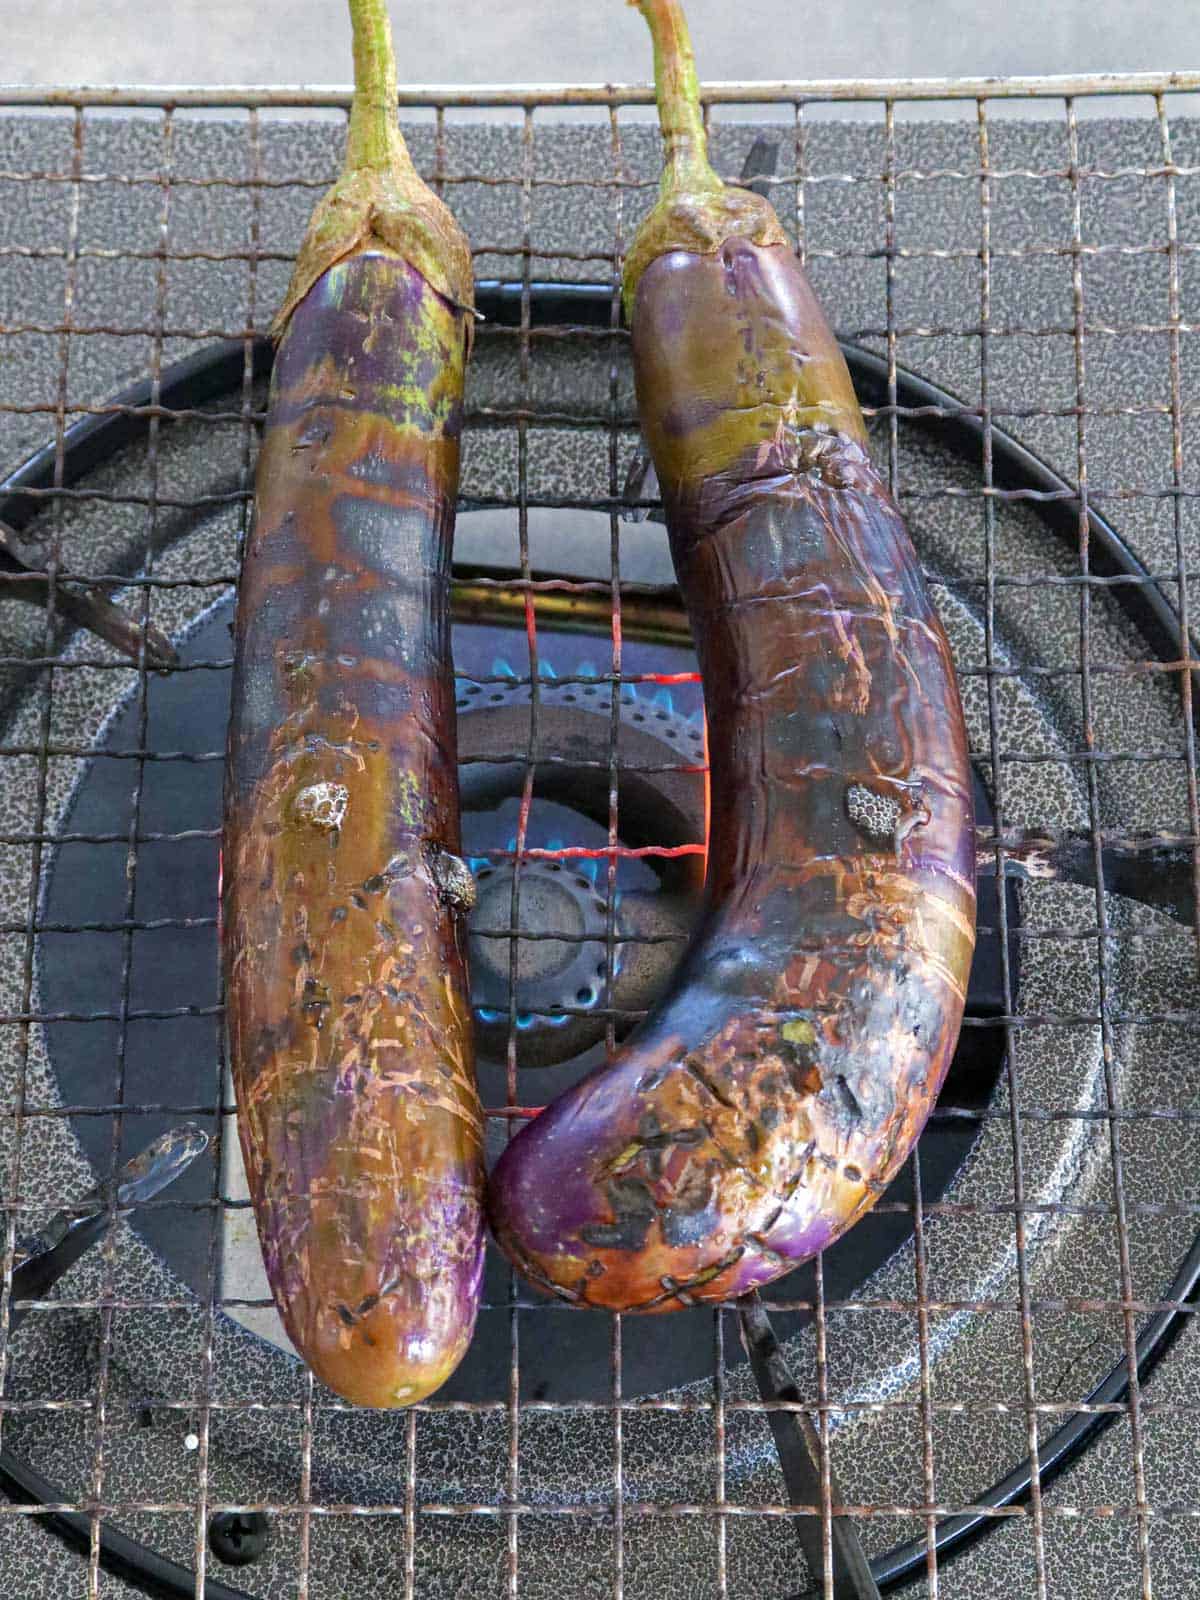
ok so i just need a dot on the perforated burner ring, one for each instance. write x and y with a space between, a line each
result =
562 999
556 978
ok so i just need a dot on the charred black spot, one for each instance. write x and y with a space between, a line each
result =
697 1071
630 1197
633 1212
649 1129
346 1315
688 1136
846 1100
852 1174
301 955
687 1220
358 902
628 1234
681 1228
375 885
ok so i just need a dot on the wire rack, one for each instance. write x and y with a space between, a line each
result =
159 234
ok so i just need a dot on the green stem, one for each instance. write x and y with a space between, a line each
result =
374 141
685 165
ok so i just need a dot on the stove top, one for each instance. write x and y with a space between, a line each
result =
159 1385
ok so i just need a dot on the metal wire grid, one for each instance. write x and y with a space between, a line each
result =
529 259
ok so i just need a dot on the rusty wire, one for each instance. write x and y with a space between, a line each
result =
616 606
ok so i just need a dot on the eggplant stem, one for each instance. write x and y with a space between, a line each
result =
380 201
695 212
680 117
374 141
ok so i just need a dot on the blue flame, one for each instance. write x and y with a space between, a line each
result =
488 1014
525 1020
587 669
664 698
590 868
503 668
477 863
628 693
556 1020
545 670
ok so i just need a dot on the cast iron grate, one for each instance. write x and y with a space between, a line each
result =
1155 861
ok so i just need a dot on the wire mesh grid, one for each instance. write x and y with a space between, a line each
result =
157 325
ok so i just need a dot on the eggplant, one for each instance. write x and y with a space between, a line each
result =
343 895
778 1086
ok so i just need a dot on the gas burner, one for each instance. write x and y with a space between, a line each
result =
557 980
562 1000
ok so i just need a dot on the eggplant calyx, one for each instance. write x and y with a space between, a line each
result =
699 224
380 200
696 212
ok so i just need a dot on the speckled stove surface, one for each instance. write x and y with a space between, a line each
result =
264 1437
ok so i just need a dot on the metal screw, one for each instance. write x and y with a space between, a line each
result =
238 1537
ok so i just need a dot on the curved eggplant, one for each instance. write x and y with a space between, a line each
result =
343 895
775 1091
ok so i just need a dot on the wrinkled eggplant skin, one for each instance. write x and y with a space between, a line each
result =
776 1090
343 898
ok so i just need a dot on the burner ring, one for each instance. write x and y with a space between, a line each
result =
563 999
553 975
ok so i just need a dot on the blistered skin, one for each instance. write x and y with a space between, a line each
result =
773 1094
343 895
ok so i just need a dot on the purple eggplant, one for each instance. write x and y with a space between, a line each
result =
777 1088
344 897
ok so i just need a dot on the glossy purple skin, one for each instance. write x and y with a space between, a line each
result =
779 1085
343 898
